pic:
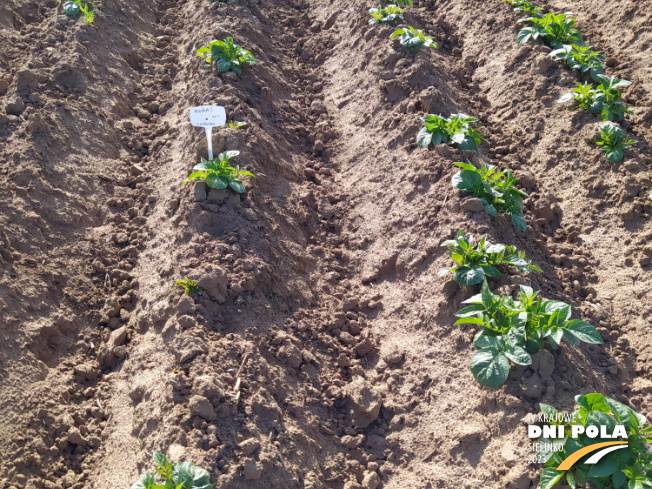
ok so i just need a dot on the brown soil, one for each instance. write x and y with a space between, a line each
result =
322 353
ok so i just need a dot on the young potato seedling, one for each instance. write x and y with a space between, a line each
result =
189 286
453 130
89 15
526 7
183 475
611 140
386 15
581 58
414 39
226 55
496 190
628 468
474 262
219 174
603 99
514 329
235 124
554 30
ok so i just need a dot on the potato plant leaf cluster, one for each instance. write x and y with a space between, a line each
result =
628 468
226 55
554 30
189 286
512 330
611 140
183 475
386 15
474 262
496 190
414 38
219 174
454 130
603 99
581 58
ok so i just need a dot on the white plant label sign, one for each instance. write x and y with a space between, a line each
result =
208 117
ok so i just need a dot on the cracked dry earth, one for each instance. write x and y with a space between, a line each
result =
322 353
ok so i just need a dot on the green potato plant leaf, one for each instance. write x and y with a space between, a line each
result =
626 468
184 475
549 478
490 367
496 190
475 261
611 140
414 39
226 55
455 130
386 15
219 174
512 330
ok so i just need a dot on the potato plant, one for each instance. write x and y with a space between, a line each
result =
235 124
219 174
554 30
226 55
611 140
414 38
496 190
627 468
603 99
386 15
474 262
581 58
189 286
512 330
454 130
183 475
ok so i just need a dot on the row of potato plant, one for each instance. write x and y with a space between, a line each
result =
628 468
511 330
220 174
559 33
